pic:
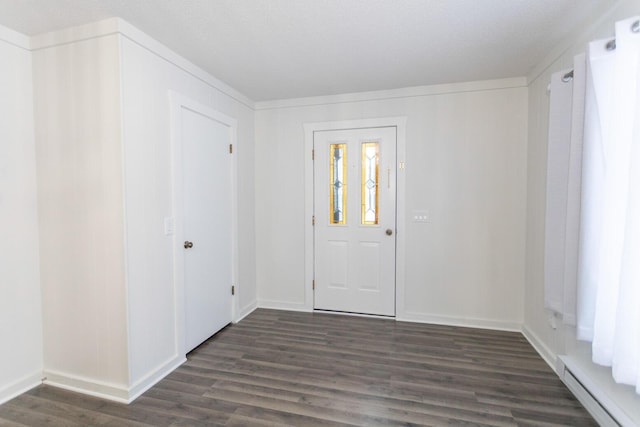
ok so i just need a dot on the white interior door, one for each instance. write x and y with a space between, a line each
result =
355 220
207 210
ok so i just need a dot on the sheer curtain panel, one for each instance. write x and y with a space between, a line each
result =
601 210
558 161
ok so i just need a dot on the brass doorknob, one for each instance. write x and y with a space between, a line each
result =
389 232
188 244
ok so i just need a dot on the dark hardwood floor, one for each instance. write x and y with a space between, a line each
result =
299 369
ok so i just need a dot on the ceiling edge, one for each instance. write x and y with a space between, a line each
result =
408 92
14 38
573 40
112 26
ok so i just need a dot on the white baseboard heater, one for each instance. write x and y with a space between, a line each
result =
601 408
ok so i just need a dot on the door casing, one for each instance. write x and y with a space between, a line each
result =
309 129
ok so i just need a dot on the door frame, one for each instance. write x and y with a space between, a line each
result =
177 102
400 123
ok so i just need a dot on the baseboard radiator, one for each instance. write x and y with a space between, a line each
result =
596 408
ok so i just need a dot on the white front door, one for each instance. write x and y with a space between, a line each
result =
355 220
207 209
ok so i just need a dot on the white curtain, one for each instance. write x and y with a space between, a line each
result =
558 161
574 186
601 264
564 178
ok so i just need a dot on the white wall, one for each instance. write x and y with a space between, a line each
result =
465 164
78 144
103 140
147 79
552 342
20 304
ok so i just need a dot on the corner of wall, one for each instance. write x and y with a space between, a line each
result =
21 385
245 311
543 350
14 38
20 293
553 341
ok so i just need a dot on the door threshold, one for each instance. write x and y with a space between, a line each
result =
350 313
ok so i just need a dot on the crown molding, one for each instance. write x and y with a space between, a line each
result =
112 26
14 38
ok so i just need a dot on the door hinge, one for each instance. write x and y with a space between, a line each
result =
233 290
230 148
313 220
313 284
313 154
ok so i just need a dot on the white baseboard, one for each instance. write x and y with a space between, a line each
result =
409 317
244 312
544 351
284 305
457 321
114 392
151 379
20 386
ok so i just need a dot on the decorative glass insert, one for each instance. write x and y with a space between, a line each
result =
338 184
369 183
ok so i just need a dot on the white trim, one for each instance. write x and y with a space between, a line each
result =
244 312
464 322
153 378
401 185
400 123
103 390
284 305
16 388
407 92
177 102
175 105
112 26
543 350
235 217
125 222
14 38
75 34
308 214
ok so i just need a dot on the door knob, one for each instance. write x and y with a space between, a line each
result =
188 244
389 232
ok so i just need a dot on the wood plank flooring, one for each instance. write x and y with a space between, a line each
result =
278 368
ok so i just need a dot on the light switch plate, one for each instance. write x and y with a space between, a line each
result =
421 216
169 226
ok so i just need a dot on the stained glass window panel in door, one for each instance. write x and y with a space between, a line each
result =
337 183
369 185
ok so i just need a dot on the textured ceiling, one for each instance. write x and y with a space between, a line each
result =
276 49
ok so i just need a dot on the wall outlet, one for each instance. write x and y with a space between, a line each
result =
552 320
